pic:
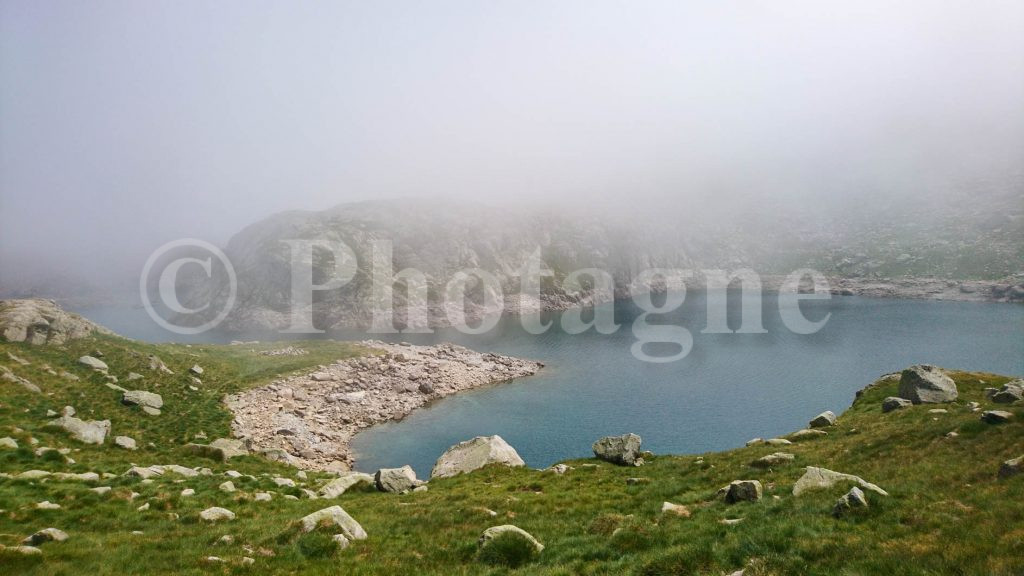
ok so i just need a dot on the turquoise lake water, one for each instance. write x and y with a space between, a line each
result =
728 389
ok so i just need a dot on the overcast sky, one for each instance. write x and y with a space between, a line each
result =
128 124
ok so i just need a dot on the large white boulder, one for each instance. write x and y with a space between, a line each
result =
475 454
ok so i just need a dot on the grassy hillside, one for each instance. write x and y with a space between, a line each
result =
947 512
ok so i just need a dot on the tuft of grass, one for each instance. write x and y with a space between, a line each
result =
508 549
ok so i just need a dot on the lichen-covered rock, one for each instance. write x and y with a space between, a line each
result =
926 384
623 450
475 454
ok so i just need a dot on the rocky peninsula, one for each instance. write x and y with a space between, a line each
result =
308 420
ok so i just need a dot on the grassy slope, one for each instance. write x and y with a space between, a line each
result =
947 513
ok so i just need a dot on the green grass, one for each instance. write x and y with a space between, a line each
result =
947 512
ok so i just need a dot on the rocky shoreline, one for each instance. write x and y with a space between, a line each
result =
309 420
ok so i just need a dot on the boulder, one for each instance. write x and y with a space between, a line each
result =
94 363
743 491
334 516
91 432
817 478
1011 467
895 403
623 450
396 480
1010 392
216 514
125 442
230 447
228 486
45 535
495 531
824 420
771 460
996 416
142 398
853 499
339 485
926 384
475 454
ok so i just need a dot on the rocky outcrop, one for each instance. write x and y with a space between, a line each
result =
39 321
926 384
623 450
475 454
309 422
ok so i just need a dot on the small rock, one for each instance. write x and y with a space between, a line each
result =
677 509
395 480
996 416
215 514
125 442
94 363
227 486
1011 392
894 403
853 499
262 497
45 535
743 491
823 420
334 516
9 443
339 485
196 370
188 492
47 505
495 531
1011 467
776 459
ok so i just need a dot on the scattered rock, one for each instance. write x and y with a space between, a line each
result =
47 505
853 499
93 362
926 384
22 550
677 509
45 535
1010 392
262 497
816 478
807 434
824 420
996 416
216 514
9 443
894 403
743 491
151 411
771 460
560 469
196 370
142 398
125 442
188 492
92 432
339 485
495 531
1011 467
228 486
474 454
396 480
623 450
777 442
334 516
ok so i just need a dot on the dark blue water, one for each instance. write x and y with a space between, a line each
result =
730 388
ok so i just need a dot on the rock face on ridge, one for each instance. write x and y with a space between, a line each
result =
39 321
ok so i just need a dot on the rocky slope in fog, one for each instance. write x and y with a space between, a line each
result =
886 256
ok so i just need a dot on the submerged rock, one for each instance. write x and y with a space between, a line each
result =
475 454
